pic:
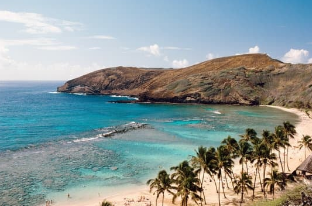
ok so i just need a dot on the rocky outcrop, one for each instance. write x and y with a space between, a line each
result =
249 79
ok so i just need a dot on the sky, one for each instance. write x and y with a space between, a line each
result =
62 40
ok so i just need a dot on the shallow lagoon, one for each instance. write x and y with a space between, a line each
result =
49 141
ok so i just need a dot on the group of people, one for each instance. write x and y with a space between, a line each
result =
49 202
140 199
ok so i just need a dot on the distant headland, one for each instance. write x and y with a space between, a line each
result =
249 79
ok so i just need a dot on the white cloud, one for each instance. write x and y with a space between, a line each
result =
310 61
13 70
152 49
41 43
94 48
38 24
296 56
166 59
4 57
101 37
31 42
210 56
253 50
180 63
58 48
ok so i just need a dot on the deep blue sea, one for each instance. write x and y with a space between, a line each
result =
51 143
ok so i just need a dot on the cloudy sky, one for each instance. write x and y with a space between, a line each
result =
61 40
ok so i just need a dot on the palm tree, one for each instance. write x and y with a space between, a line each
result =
212 165
231 145
224 163
267 137
268 158
276 178
199 161
250 135
106 203
256 157
305 142
242 184
244 150
279 141
161 183
290 131
186 183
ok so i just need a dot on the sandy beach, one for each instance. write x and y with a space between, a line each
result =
140 196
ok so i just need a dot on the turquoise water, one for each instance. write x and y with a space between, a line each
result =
50 142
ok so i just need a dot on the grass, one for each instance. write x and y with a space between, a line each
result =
293 195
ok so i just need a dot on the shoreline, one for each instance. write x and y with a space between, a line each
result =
131 195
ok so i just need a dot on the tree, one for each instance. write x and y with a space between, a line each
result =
243 151
242 184
106 203
223 163
256 157
231 145
212 165
279 141
161 183
290 131
305 142
275 178
186 183
268 158
199 161
250 135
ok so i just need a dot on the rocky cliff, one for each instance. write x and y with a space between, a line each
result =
249 79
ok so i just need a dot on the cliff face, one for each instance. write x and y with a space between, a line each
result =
249 79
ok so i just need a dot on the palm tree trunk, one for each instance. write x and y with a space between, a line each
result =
254 187
264 167
242 195
223 187
287 158
219 193
279 154
186 200
284 158
201 186
227 184
246 166
215 182
162 203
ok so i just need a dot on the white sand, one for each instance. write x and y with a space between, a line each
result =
132 196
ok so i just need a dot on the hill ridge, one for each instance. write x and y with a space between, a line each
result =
248 79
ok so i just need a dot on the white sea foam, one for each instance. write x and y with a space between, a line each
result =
217 112
54 92
80 94
85 139
122 96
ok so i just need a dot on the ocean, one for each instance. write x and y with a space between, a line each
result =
52 143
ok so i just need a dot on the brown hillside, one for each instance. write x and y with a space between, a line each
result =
250 79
